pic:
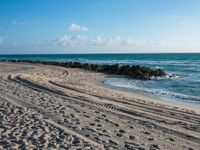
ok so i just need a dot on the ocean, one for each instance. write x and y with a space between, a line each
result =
183 87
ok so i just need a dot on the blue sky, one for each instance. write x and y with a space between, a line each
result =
99 26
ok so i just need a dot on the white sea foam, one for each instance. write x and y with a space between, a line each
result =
137 85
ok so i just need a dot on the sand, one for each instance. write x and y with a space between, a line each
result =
49 107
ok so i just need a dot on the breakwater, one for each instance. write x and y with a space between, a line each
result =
132 71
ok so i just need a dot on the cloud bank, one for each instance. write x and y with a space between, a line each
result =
123 44
80 40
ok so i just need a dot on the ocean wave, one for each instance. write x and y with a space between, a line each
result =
172 76
137 86
168 76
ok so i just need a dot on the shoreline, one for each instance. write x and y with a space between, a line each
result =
81 66
86 114
156 98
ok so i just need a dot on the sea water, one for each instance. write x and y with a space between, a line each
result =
182 83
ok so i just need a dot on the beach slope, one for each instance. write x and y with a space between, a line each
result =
51 107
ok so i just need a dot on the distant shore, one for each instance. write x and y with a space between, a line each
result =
69 108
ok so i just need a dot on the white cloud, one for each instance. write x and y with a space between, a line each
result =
98 41
77 40
18 23
121 44
77 27
2 40
72 40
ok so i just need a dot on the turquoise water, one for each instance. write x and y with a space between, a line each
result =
183 86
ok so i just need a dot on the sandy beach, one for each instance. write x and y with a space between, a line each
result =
51 107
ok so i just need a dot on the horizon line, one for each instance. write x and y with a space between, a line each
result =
99 53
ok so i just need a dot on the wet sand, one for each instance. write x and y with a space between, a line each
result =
49 107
